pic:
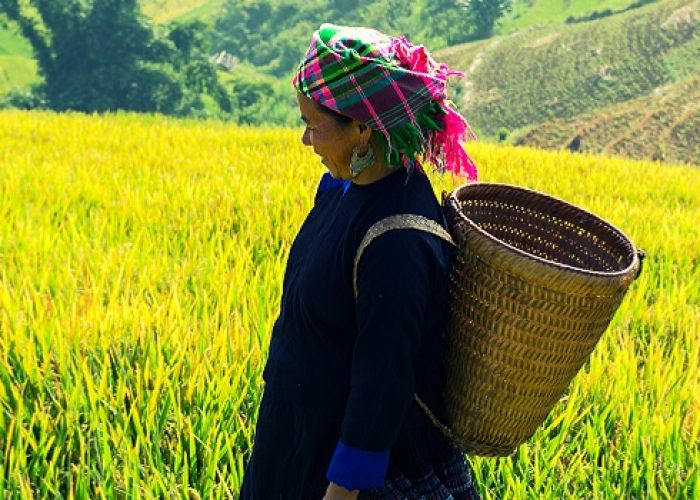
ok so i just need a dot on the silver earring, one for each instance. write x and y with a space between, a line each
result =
359 163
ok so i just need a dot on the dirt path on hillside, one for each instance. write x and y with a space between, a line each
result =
476 62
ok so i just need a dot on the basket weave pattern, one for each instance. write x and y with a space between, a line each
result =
535 283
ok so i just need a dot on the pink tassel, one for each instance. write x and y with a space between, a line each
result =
445 149
416 58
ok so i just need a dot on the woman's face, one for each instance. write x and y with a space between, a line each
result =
332 140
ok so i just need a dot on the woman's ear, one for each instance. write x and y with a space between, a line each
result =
365 132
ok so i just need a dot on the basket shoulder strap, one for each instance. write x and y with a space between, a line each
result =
405 221
400 221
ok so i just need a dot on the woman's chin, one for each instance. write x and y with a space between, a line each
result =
335 172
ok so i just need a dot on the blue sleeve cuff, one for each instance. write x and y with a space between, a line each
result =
356 469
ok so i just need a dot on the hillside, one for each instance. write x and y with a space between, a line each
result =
17 66
663 125
527 13
540 86
167 10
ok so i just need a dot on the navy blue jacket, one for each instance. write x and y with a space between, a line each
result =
355 364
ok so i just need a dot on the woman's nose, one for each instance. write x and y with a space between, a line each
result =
306 137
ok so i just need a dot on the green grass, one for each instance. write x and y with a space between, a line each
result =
18 68
17 73
181 10
12 43
141 261
532 13
684 61
204 11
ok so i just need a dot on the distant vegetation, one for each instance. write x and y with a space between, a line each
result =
102 56
551 85
541 82
266 38
18 68
597 14
168 10
527 14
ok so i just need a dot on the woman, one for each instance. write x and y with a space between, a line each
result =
338 417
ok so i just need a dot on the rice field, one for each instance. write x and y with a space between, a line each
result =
141 261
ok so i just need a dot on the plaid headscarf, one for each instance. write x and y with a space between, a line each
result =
392 86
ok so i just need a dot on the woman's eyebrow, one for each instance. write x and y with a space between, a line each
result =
304 119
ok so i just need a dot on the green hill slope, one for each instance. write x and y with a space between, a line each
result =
167 10
18 70
17 73
526 13
566 75
664 125
17 67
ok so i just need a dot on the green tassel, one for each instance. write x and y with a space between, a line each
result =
410 140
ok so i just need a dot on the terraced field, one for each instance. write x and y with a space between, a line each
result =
563 80
659 126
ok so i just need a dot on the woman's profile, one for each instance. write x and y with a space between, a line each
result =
338 417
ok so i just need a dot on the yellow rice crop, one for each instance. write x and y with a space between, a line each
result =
140 271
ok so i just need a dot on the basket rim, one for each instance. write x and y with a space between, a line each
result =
454 200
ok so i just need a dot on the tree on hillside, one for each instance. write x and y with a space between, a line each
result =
272 35
390 16
440 23
192 41
483 15
103 55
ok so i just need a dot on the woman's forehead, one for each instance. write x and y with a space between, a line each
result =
307 107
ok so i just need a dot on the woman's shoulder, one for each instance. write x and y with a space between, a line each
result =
412 193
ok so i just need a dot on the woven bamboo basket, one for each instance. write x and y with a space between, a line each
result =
535 283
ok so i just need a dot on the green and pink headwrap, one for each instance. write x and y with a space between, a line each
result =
392 86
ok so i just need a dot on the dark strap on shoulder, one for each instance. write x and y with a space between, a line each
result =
404 221
400 221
